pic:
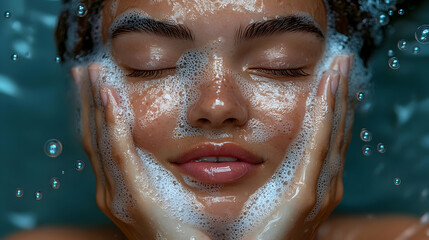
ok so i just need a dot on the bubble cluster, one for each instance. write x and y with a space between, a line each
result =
7 14
55 183
80 165
366 150
19 192
422 34
53 148
394 63
397 181
365 135
81 10
383 19
14 57
402 44
38 195
381 148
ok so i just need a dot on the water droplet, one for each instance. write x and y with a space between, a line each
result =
80 165
7 14
81 10
402 45
14 57
19 192
390 53
38 195
365 135
383 19
62 172
391 12
360 96
416 50
55 183
57 59
53 148
401 12
422 34
394 63
387 2
381 148
397 181
366 150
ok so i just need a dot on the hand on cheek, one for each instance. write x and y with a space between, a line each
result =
299 216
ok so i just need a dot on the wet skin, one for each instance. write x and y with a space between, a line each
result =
251 60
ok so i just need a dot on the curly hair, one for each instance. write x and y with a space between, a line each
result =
348 21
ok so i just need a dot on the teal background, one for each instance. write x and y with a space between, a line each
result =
37 103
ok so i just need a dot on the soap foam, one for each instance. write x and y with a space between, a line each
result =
163 188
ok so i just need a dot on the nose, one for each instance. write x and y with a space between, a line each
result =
221 104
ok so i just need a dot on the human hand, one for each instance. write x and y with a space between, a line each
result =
137 215
299 216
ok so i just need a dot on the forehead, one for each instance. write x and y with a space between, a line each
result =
219 14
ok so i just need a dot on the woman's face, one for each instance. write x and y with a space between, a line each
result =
216 96
217 79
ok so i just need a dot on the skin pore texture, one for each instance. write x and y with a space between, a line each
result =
176 76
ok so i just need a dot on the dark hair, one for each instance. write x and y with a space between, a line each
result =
349 21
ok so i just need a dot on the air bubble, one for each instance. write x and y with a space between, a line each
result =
401 12
55 183
360 96
383 19
390 53
402 45
365 135
381 148
7 14
81 10
80 165
38 195
394 63
57 59
366 150
53 148
397 181
416 50
19 192
422 34
391 12
14 57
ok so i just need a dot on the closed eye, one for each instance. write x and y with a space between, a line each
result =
292 72
151 74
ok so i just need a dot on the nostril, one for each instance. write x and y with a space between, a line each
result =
231 120
203 121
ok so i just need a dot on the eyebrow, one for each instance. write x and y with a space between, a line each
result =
278 25
152 26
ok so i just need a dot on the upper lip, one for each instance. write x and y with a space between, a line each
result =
219 150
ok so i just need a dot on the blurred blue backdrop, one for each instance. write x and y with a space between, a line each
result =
37 103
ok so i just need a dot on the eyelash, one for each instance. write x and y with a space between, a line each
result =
148 73
294 72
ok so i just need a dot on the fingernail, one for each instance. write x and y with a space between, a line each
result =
335 80
345 66
93 74
103 97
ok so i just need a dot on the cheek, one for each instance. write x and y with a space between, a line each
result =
154 117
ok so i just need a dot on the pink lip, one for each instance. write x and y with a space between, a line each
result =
222 172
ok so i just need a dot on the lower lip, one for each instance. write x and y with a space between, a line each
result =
217 173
